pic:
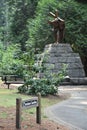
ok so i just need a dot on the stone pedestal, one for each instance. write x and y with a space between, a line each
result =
58 54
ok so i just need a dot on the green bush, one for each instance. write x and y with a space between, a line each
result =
38 85
48 84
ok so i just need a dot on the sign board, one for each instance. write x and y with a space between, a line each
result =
30 103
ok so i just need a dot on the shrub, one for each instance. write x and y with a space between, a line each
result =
48 84
38 85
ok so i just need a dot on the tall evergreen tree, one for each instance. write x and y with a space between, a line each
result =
7 9
25 9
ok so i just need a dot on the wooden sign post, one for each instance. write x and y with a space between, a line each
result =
26 104
38 110
18 112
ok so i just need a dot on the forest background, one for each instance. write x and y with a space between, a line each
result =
24 30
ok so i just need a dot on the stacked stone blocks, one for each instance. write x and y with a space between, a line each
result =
58 54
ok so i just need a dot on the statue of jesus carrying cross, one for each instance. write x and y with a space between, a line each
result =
58 25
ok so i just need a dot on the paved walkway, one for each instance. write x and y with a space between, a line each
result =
72 112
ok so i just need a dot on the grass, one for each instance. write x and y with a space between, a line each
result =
8 99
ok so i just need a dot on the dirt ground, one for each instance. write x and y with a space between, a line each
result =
28 121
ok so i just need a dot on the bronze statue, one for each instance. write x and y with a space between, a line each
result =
58 25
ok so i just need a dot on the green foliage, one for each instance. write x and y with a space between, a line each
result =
10 62
13 61
1 51
76 23
75 17
24 11
39 30
7 9
48 84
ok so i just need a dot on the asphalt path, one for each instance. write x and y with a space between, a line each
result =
73 111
